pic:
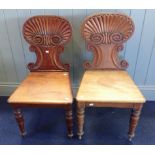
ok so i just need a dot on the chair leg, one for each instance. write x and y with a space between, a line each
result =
135 115
20 121
80 121
69 121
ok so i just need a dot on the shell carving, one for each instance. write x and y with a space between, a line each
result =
105 32
107 28
46 36
47 30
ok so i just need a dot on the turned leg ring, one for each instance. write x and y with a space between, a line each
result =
69 122
80 121
20 121
135 115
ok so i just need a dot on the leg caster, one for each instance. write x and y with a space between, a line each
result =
135 115
20 121
80 121
69 122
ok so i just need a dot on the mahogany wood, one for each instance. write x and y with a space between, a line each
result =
20 121
109 86
105 84
69 121
44 88
48 84
105 35
135 115
80 120
47 36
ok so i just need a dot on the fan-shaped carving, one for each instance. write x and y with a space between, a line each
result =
47 30
47 35
105 33
107 28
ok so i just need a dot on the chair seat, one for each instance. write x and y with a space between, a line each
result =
44 87
110 87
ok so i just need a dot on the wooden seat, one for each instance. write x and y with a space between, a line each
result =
106 83
48 83
109 87
44 88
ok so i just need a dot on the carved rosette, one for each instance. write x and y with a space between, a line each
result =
107 32
47 36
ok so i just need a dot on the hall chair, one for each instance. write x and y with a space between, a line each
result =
105 82
48 84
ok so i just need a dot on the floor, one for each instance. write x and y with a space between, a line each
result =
102 126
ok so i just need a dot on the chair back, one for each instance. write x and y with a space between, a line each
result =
105 34
47 36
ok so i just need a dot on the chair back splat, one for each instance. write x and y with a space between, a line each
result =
47 36
105 34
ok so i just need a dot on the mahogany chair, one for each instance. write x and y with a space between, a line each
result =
106 83
48 83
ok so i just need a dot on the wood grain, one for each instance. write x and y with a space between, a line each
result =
43 88
48 83
109 86
47 36
105 34
135 115
20 120
106 84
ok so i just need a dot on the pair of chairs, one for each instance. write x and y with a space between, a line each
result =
105 82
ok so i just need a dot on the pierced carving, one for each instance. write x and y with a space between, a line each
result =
47 36
105 35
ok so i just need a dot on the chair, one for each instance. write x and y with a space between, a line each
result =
48 83
105 82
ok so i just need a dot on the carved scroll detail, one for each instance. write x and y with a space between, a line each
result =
105 34
97 60
47 36
100 56
47 59
106 38
47 30
120 64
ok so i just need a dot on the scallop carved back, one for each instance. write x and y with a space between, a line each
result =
47 36
105 34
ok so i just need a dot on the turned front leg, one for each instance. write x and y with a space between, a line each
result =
135 115
80 121
20 121
69 121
